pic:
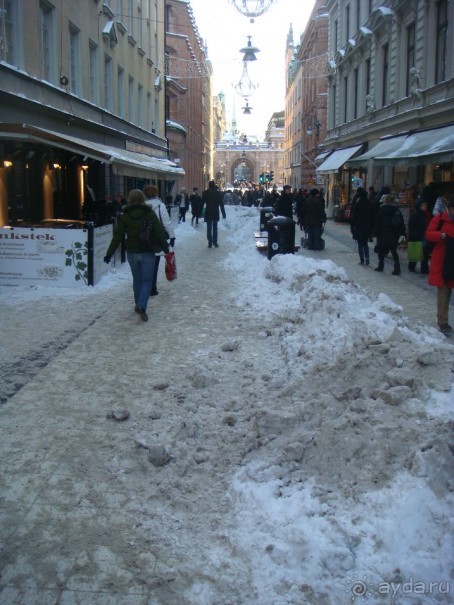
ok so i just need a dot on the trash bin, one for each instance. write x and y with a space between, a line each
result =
265 215
281 236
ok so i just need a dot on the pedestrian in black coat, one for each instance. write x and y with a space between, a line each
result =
284 204
314 217
362 224
214 205
389 228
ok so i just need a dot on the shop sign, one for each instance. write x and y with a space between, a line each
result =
48 257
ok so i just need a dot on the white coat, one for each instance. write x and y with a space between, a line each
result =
158 207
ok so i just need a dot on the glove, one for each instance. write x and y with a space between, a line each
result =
401 239
107 259
172 242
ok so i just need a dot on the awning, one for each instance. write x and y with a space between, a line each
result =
337 159
126 163
322 156
433 146
382 148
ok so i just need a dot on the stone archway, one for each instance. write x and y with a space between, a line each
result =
243 170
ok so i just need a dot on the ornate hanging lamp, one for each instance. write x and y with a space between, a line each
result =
245 87
252 8
246 109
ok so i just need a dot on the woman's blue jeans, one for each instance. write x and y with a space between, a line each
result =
142 267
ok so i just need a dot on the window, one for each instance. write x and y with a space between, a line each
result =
130 18
385 74
345 99
410 55
442 41
139 25
93 72
7 31
119 9
355 93
140 105
121 92
336 35
108 82
149 112
74 59
131 98
347 23
46 41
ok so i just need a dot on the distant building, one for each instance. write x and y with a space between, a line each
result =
188 97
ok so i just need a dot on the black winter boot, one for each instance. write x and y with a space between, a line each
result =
380 267
396 269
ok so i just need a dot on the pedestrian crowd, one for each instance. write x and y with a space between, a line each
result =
429 234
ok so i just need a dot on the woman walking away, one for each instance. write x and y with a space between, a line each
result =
441 273
417 249
362 225
131 222
389 228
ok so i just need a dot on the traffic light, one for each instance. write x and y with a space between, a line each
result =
261 177
271 176
267 177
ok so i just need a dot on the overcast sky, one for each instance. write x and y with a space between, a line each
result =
225 31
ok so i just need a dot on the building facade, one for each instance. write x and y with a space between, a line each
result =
82 110
390 97
188 97
306 99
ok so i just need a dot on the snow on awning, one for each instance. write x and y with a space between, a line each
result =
424 147
383 147
337 159
126 163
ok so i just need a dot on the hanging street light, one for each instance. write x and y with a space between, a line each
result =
245 87
249 51
252 8
246 109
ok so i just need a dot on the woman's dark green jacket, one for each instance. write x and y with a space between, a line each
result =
130 223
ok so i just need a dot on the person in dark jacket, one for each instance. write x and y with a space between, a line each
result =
314 217
141 263
196 206
284 204
389 228
212 201
417 224
362 224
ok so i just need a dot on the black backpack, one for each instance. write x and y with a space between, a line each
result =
147 238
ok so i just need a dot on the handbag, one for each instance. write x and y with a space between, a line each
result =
171 267
448 263
415 252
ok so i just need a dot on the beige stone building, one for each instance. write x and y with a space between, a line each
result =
391 97
82 105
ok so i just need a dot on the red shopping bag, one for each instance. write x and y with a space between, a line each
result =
171 266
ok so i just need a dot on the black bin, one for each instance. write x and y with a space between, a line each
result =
265 215
281 236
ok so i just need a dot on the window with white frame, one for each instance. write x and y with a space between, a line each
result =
385 74
8 31
410 34
131 99
108 82
93 72
47 41
149 112
120 91
74 59
140 105
441 41
131 17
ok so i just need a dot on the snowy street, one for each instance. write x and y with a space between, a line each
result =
288 437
